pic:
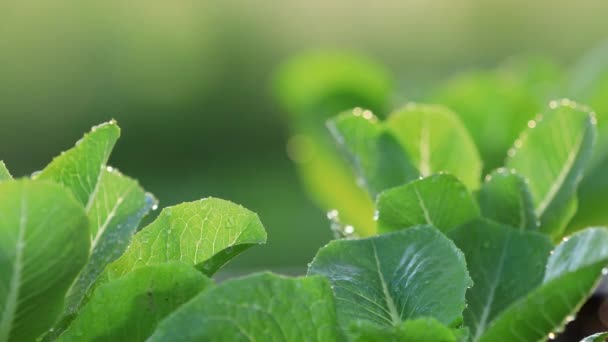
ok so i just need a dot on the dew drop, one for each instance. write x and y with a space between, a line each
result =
109 169
357 111
511 152
376 215
368 115
35 174
604 271
155 206
570 318
531 123
553 104
349 229
518 143
593 119
332 214
551 336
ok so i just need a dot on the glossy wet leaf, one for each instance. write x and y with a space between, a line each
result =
552 154
261 307
130 307
436 141
44 242
376 156
390 278
4 173
205 233
439 200
599 337
505 264
504 197
573 270
419 330
80 167
118 206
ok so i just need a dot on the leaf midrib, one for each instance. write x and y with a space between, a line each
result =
483 321
561 177
13 293
390 303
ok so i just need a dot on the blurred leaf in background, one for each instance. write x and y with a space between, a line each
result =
313 88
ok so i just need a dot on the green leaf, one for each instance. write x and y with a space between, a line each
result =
495 105
573 270
505 264
599 337
436 141
504 197
4 173
322 83
378 159
206 233
130 307
589 84
80 168
552 154
114 215
439 200
419 330
43 244
261 307
390 278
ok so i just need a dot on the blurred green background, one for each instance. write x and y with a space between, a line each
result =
190 83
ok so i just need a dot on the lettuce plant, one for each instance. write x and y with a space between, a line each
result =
491 260
450 256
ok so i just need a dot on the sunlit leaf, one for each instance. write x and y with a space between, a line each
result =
505 264
436 141
262 307
377 157
114 215
439 200
573 270
552 154
4 173
394 277
206 234
504 197
44 242
130 307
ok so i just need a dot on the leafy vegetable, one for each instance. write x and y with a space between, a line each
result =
552 154
114 215
129 308
4 173
205 234
394 277
599 337
505 264
262 307
504 197
420 330
436 141
573 270
43 244
312 88
379 160
439 200
81 167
